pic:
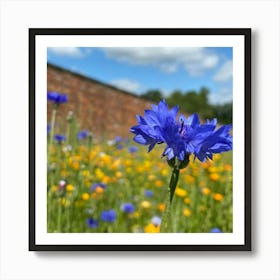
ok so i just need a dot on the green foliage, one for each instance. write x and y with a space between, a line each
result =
192 101
153 95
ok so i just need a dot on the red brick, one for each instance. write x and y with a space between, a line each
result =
98 107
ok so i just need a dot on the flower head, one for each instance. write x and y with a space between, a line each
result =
182 137
118 139
48 128
127 207
92 223
108 216
150 228
59 138
132 149
148 193
156 221
62 184
57 98
82 135
98 185
215 230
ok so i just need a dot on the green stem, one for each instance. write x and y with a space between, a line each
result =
168 203
68 133
52 128
59 216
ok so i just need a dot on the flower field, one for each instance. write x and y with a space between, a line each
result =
115 185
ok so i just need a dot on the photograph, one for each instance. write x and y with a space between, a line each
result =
141 139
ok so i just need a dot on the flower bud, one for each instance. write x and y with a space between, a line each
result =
175 162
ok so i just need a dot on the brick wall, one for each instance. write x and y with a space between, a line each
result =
99 108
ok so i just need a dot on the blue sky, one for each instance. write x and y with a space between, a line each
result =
140 69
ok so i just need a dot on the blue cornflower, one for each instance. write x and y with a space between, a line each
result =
215 230
183 137
109 216
127 207
119 147
92 223
149 193
48 128
59 138
82 134
156 221
118 139
95 185
56 97
132 149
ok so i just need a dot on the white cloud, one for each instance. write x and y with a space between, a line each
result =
127 85
224 73
194 60
66 51
223 95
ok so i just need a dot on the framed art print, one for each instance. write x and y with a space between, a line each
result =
140 139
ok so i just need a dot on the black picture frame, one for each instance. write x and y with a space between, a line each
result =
245 32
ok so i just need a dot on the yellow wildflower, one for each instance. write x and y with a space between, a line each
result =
85 196
202 184
161 207
216 157
206 191
106 180
158 183
127 163
151 177
116 164
136 214
75 165
70 188
83 149
87 182
214 176
128 170
187 200
85 173
146 204
150 228
228 167
213 169
205 165
118 174
94 195
107 159
190 179
218 196
99 190
187 212
164 172
147 165
140 169
54 188
180 192
99 174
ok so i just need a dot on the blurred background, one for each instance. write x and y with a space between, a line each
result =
107 87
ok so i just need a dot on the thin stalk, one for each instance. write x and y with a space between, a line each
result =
168 203
59 216
52 128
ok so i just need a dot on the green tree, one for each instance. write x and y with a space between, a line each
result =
153 95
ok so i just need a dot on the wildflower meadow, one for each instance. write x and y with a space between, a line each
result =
115 185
